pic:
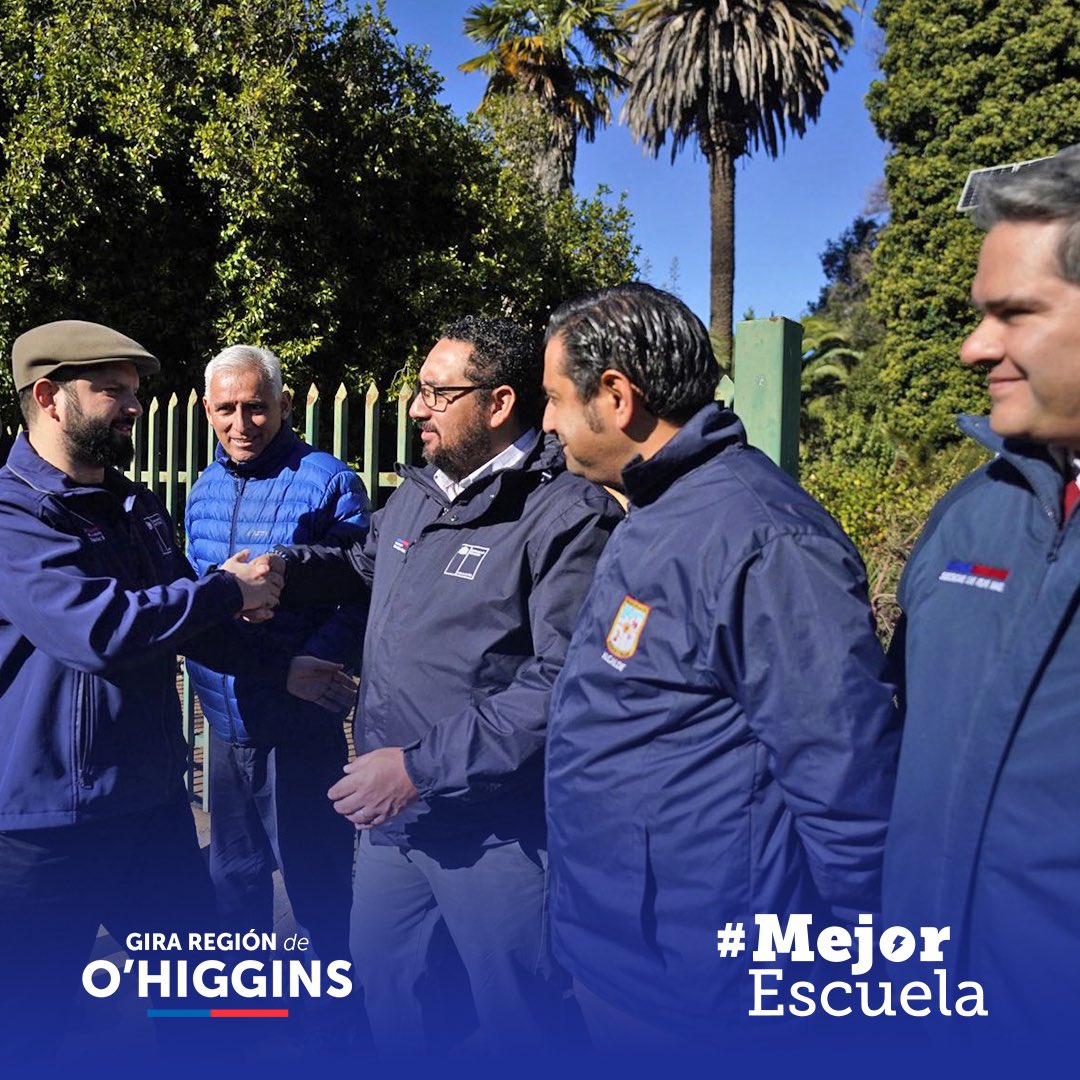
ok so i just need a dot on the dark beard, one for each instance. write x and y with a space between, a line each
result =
95 442
472 451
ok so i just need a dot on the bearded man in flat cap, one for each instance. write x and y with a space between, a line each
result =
96 601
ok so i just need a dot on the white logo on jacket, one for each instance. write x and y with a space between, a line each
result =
156 524
466 561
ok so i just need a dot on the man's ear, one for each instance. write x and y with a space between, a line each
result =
502 401
621 398
286 403
45 394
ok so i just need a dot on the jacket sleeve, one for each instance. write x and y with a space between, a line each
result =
235 648
321 575
348 514
796 631
474 754
91 622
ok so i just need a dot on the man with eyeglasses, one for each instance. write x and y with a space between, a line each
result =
474 570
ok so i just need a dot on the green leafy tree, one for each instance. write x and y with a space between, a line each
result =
737 75
555 61
196 172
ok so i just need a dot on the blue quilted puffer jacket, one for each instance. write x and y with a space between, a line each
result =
290 494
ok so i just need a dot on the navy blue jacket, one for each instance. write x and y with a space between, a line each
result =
472 607
985 835
721 741
96 601
290 494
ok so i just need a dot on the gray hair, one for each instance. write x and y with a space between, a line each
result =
1046 191
241 358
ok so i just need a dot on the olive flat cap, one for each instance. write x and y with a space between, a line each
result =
73 343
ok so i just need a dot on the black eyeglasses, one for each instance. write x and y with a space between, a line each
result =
437 398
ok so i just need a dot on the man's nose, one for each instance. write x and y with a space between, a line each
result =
983 344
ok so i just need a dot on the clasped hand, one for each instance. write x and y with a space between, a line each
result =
261 581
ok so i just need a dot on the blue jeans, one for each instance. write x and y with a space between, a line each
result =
493 906
267 807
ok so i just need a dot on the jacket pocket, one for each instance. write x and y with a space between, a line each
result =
85 723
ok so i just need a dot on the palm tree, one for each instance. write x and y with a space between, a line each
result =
561 56
738 74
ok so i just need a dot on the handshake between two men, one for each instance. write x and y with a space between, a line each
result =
261 580
376 786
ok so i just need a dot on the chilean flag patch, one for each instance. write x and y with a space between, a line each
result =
976 575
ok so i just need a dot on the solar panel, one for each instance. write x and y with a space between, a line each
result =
969 197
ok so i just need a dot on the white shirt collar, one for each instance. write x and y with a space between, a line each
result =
509 458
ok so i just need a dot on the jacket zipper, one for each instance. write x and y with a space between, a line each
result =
86 730
239 483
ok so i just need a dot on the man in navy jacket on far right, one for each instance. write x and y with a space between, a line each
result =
985 835
721 741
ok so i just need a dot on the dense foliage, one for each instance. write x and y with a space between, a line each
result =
967 84
197 172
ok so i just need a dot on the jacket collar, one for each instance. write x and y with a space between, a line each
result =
34 471
545 457
270 461
1033 461
710 430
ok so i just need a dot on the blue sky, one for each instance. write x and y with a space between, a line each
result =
785 210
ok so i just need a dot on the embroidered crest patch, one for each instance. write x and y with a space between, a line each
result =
625 632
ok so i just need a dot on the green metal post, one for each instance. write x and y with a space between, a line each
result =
191 449
172 455
369 471
404 432
768 363
311 416
152 477
340 444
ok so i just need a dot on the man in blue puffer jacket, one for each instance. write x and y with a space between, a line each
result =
273 757
721 740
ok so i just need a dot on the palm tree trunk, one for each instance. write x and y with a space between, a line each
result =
722 250
553 168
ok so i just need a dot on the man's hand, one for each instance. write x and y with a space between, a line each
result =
261 581
375 788
322 682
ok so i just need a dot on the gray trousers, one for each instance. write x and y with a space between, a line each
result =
493 909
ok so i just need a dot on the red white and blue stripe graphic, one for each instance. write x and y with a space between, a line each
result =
975 575
215 1014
